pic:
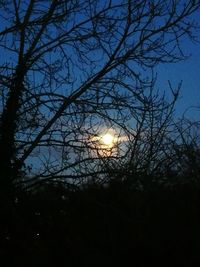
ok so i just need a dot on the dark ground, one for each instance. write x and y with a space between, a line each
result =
114 226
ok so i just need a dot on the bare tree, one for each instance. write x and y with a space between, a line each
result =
70 69
149 146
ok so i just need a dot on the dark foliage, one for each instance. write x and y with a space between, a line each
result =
102 226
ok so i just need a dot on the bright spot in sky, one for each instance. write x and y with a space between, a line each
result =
107 139
107 143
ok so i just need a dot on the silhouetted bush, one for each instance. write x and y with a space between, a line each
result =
103 226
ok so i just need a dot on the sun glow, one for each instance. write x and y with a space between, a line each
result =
108 140
105 143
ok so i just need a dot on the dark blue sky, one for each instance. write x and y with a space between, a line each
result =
189 72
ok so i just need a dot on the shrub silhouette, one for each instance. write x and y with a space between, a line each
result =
104 226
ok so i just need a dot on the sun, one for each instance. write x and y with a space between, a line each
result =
105 144
108 140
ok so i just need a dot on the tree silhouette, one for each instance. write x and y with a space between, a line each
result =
72 68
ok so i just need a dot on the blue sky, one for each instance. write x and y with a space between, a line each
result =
187 71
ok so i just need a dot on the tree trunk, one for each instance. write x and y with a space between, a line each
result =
8 127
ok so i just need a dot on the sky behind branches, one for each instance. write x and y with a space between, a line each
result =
187 71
